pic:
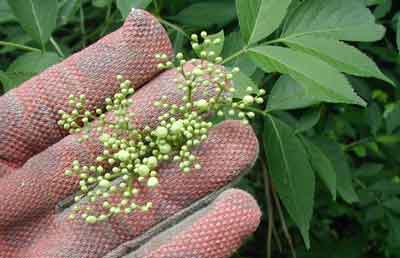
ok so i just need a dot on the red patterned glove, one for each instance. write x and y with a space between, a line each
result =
189 217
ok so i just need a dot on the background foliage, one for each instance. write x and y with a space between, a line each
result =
328 173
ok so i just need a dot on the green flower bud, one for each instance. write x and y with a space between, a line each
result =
248 99
165 148
176 127
201 104
152 161
152 182
91 219
194 37
122 155
198 72
105 183
161 132
143 170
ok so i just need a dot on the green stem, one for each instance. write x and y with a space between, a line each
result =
23 47
57 47
255 110
270 206
284 225
173 26
235 55
273 41
358 142
157 7
107 20
82 24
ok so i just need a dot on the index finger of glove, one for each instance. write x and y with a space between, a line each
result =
28 117
37 187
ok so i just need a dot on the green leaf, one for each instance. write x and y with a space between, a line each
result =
6 14
392 118
322 165
125 6
291 172
336 155
288 94
373 117
216 48
347 20
383 9
394 230
37 17
342 56
203 15
15 35
101 3
308 120
5 80
28 65
388 139
368 170
67 9
179 40
393 205
259 18
241 82
234 43
320 80
385 186
374 2
398 33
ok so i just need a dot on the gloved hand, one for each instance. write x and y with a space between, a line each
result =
189 218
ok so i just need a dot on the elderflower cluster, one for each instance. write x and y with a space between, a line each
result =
131 157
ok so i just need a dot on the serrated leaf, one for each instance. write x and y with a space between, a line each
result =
5 81
28 65
368 170
234 43
308 120
291 172
347 20
373 117
101 3
288 94
15 35
392 118
335 154
393 204
394 231
37 17
398 33
125 6
388 139
385 186
6 14
206 14
67 9
342 56
179 39
383 9
322 165
259 18
241 82
320 80
373 2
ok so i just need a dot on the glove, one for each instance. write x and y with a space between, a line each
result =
192 215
